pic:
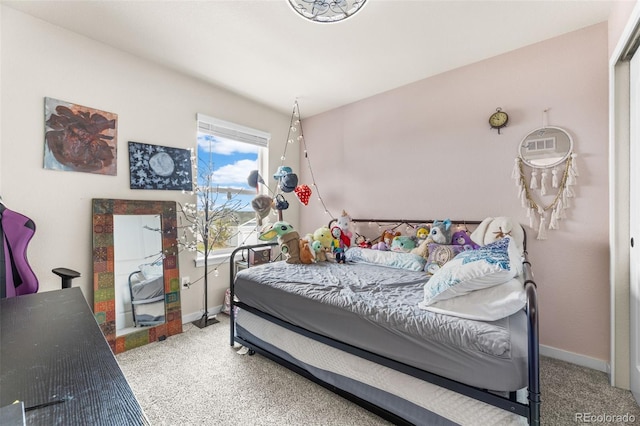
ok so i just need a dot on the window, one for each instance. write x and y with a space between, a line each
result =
226 155
541 144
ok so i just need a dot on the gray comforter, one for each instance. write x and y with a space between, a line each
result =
386 296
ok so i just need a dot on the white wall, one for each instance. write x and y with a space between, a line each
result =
154 105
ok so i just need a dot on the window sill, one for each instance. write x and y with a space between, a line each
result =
214 260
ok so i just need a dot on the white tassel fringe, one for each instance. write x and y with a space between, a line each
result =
534 179
543 183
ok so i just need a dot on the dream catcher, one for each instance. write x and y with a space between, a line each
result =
545 172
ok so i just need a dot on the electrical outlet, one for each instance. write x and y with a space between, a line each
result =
186 282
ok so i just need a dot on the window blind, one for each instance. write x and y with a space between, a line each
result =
227 130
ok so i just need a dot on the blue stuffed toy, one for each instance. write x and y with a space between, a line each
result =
403 244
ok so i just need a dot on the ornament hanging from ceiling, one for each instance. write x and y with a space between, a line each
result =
302 191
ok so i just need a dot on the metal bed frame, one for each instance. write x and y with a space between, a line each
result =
531 411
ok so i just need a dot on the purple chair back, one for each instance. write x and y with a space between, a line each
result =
16 275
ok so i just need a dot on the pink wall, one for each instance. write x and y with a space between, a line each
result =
425 150
620 12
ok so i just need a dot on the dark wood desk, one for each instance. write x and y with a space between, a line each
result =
51 348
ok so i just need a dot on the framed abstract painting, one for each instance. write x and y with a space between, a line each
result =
79 138
159 167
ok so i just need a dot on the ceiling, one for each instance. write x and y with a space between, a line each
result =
262 50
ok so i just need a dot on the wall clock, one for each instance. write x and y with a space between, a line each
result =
498 119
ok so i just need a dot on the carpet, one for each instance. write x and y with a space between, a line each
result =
196 378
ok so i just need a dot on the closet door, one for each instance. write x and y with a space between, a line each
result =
634 325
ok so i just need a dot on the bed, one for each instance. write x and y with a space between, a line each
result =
361 330
147 288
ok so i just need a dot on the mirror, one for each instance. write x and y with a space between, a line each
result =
138 274
546 147
135 241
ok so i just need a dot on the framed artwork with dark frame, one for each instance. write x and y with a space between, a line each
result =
79 138
160 167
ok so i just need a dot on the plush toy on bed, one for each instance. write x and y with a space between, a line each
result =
385 240
403 244
422 250
440 232
307 254
462 238
422 233
494 228
321 243
339 244
288 239
343 223
363 242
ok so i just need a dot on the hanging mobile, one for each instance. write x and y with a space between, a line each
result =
498 119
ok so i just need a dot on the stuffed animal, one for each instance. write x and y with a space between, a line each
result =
494 228
385 240
422 249
288 239
422 233
363 242
339 244
440 232
320 252
343 223
380 245
403 244
323 237
307 254
462 238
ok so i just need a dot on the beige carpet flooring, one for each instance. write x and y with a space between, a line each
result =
196 378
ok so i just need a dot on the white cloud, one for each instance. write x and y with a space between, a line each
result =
223 146
236 173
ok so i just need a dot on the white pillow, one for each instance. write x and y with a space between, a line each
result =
471 270
149 270
393 259
489 304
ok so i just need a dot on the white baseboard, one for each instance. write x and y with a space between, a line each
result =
197 315
582 360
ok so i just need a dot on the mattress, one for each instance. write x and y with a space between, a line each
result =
375 308
417 401
147 290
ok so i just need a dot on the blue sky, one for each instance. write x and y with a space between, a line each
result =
232 163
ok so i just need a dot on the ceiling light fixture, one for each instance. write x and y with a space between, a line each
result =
326 10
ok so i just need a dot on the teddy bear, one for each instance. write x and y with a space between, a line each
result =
462 238
422 233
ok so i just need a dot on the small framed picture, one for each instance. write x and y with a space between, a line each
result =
159 167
